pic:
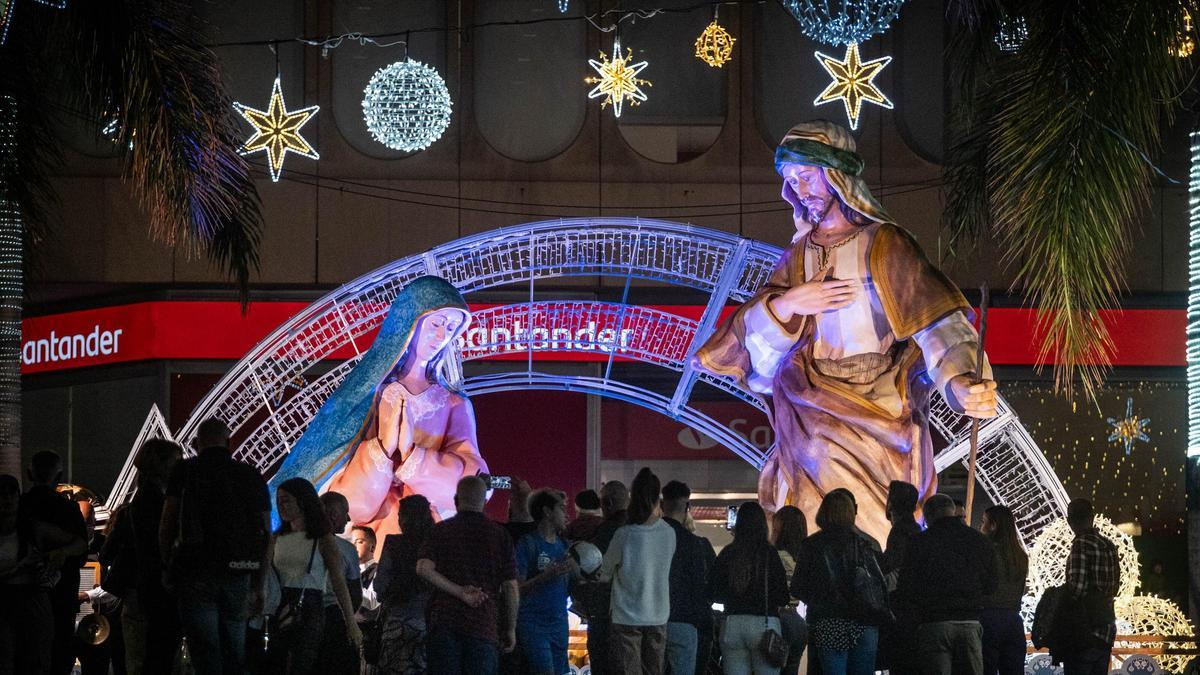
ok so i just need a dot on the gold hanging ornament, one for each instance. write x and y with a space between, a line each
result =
715 45
1184 45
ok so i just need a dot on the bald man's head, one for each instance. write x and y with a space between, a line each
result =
471 494
212 433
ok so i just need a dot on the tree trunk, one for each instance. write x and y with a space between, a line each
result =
11 297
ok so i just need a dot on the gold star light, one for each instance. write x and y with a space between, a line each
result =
853 82
277 131
618 79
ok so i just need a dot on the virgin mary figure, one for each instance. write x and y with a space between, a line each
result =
395 427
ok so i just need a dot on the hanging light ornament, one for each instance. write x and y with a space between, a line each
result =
853 82
618 79
715 45
277 131
1184 44
1012 33
564 5
407 106
845 22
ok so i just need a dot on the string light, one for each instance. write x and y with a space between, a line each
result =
563 6
11 281
843 23
1129 429
407 106
1193 304
1012 34
853 82
618 81
715 45
277 131
6 17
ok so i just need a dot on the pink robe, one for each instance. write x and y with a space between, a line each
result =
436 447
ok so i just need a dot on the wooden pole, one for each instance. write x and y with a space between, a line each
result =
983 308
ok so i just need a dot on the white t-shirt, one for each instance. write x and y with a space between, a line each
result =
639 563
292 552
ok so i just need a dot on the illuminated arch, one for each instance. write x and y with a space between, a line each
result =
268 398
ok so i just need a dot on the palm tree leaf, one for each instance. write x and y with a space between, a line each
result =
141 61
1051 157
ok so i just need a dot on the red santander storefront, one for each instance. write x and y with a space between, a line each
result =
91 377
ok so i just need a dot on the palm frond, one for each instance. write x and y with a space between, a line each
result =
1055 147
142 62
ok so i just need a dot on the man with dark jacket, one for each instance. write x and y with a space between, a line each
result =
896 640
689 628
593 596
1093 578
43 502
213 535
948 571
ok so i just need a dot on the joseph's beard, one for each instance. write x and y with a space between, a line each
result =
815 216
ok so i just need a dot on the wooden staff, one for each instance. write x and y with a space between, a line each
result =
983 308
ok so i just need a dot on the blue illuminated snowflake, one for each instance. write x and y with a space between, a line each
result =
1130 429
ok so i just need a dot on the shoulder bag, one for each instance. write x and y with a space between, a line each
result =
291 601
772 645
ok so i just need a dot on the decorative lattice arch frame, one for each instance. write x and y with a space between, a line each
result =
268 399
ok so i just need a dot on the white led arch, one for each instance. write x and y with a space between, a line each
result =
268 398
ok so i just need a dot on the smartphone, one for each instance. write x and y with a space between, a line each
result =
499 482
730 517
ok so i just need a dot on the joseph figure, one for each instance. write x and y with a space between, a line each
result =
847 339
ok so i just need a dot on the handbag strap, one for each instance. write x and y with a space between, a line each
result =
311 554
766 592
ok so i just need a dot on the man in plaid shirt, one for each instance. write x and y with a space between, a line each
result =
1093 577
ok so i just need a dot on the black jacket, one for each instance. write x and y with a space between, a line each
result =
948 571
690 568
822 577
748 581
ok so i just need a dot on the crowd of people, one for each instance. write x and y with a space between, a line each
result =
193 559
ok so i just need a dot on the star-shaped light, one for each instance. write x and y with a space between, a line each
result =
853 82
618 79
277 131
1132 428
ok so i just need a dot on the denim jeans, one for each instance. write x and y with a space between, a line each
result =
682 640
739 645
1003 642
859 660
450 653
950 647
212 611
543 646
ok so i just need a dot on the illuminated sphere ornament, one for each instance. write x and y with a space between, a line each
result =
406 106
843 22
1151 615
715 45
